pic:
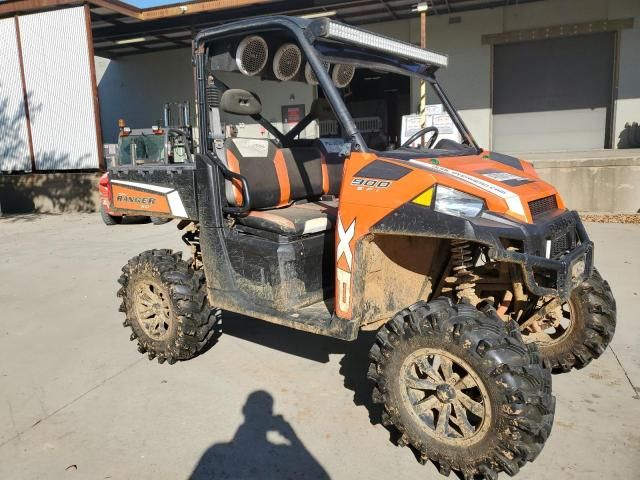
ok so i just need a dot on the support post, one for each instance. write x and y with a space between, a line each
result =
423 84
25 96
102 164
422 8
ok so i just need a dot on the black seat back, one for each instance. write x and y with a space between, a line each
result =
333 152
275 176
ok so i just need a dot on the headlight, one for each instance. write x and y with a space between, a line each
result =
454 202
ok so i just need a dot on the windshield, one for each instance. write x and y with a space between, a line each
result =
387 110
141 149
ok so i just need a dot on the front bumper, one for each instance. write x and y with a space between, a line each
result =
550 270
564 273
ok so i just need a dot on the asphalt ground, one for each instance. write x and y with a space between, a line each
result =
78 401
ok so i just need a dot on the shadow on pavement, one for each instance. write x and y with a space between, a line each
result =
353 365
264 446
25 217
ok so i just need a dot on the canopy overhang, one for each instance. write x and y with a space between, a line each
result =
121 29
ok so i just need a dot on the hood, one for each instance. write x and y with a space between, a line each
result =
508 185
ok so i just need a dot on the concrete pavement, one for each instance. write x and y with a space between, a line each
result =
78 401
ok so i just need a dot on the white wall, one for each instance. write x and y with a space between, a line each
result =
137 87
59 94
61 106
628 103
14 140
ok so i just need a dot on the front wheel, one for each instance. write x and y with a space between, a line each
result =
572 334
462 389
166 306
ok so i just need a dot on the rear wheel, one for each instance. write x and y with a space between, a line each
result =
166 306
462 389
572 334
109 220
159 220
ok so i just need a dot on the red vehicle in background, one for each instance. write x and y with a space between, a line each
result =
109 217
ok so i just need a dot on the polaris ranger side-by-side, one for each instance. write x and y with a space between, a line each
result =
475 275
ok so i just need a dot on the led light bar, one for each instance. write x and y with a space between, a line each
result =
338 31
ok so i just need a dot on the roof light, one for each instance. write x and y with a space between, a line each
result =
421 7
355 36
130 40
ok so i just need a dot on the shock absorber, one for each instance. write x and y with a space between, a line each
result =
462 281
191 237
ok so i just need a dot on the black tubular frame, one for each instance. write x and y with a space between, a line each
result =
294 27
453 113
305 38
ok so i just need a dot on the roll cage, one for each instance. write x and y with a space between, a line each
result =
318 47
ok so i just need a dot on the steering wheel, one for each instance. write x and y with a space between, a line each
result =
421 134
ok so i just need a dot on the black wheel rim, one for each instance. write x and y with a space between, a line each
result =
446 395
153 310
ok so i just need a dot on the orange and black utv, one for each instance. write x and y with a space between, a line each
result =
478 280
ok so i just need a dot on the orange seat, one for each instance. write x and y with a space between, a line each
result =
295 220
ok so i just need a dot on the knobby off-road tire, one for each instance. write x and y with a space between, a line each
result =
166 306
481 359
109 220
592 313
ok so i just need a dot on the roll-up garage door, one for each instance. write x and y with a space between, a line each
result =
553 95
14 140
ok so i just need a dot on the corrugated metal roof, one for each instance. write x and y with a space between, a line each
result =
171 33
117 21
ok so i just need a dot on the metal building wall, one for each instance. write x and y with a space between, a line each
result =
14 140
55 53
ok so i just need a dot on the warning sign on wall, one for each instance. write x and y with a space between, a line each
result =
292 115
437 117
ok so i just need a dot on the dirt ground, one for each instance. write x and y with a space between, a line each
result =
78 401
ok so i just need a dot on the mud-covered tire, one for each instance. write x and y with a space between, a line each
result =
190 323
109 220
593 317
159 220
518 389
